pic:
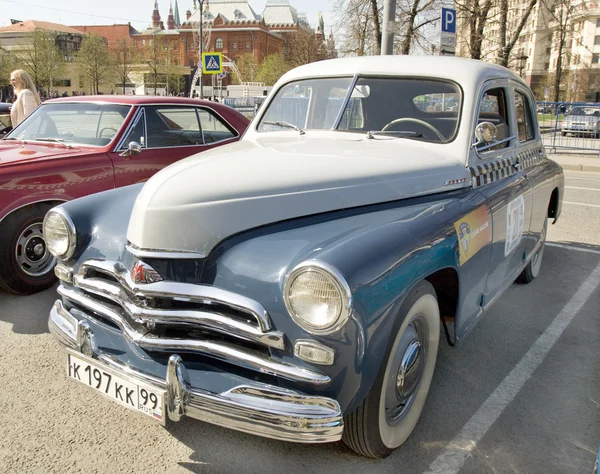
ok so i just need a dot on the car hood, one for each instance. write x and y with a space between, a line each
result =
14 151
582 118
193 204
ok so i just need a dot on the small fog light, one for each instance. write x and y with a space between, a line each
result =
312 351
63 273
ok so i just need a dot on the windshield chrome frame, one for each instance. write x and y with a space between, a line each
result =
338 119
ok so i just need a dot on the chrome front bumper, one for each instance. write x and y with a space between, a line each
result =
255 408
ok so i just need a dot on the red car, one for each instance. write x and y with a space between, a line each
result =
71 147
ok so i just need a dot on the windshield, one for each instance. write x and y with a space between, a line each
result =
585 111
73 123
419 109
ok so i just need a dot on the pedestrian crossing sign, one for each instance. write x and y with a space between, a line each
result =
212 63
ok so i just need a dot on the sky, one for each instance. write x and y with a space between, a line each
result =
138 12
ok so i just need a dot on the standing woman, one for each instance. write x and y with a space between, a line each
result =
27 98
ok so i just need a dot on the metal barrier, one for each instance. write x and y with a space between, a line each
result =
570 126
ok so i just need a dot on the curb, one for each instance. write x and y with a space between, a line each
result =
580 167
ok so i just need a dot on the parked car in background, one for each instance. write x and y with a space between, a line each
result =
582 121
71 147
5 123
293 285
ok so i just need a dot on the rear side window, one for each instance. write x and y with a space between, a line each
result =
524 118
213 128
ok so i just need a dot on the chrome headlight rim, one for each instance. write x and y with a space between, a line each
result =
71 233
342 287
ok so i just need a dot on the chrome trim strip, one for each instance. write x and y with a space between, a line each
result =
132 330
255 408
183 291
338 119
214 321
228 353
132 123
154 253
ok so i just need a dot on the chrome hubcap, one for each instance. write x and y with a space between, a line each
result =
31 254
407 370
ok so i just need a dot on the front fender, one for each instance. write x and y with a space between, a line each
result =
382 251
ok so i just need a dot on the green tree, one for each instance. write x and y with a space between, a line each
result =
41 58
123 59
245 69
272 68
155 56
93 61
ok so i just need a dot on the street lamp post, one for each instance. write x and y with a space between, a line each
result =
201 8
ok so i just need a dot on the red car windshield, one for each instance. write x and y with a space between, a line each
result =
74 123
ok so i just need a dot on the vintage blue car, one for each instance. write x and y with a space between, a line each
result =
295 284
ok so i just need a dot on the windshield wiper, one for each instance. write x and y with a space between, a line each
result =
286 125
54 140
408 133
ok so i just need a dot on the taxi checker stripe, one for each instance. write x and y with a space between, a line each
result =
493 171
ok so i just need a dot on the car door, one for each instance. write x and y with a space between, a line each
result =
164 133
497 176
530 156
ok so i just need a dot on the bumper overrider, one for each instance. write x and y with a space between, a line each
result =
255 408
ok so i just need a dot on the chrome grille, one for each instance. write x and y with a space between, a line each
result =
148 314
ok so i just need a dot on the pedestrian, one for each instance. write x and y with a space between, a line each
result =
27 98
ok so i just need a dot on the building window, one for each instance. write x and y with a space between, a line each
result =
135 43
248 45
219 43
595 58
235 45
596 39
143 42
598 23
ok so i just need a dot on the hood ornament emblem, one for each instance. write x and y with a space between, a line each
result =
144 273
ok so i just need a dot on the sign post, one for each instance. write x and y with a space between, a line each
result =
448 33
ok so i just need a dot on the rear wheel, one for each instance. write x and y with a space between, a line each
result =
26 266
389 413
532 269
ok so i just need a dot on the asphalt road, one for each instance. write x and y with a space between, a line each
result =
520 394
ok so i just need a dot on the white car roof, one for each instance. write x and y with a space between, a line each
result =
467 72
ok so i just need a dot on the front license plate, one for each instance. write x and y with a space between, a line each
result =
135 395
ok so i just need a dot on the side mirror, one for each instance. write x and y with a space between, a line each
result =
485 132
134 148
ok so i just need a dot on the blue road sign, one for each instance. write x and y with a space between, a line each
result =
212 63
448 20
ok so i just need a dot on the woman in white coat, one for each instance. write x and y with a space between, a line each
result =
27 98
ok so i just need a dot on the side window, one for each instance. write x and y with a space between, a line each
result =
213 128
170 126
524 119
494 108
137 133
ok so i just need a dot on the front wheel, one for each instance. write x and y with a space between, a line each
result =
389 413
532 270
26 266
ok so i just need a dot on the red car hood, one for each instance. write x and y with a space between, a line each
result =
15 151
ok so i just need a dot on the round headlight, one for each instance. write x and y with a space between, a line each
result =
317 297
59 233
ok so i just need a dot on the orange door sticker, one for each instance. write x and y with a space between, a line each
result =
474 231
